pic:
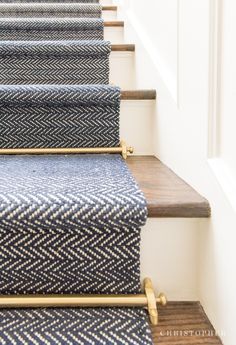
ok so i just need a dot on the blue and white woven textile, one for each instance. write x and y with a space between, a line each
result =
78 10
54 62
59 116
69 224
111 326
43 29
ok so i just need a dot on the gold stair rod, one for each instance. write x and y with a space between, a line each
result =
123 149
148 300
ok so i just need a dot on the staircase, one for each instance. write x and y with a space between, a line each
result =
47 75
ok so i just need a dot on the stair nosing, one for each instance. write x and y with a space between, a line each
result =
167 195
123 47
115 23
109 8
138 95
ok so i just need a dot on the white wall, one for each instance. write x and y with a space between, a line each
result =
228 85
195 123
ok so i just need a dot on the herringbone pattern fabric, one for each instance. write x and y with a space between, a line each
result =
50 10
45 1
52 116
74 326
69 224
54 62
39 29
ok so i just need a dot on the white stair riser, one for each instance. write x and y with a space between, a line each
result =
136 123
122 70
106 2
114 34
169 256
109 15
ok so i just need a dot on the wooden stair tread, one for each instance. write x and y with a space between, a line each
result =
138 95
115 23
109 8
123 47
180 317
167 194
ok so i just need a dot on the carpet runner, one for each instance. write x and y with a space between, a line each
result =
68 224
59 116
45 1
54 62
120 326
39 29
50 10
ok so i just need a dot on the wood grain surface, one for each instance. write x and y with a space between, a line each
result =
138 95
115 23
123 47
167 194
184 323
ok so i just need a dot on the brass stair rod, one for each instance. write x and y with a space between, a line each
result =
59 301
123 149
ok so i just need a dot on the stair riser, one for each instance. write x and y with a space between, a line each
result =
169 256
106 2
109 15
136 123
114 34
122 69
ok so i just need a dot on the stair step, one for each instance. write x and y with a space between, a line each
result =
123 47
138 95
24 62
183 323
114 23
167 194
109 8
63 29
109 12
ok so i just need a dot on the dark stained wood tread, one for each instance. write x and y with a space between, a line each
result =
123 47
115 23
167 194
184 323
109 8
138 95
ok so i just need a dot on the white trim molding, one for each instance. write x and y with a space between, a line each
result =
225 178
215 30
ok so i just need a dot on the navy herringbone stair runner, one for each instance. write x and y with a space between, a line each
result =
50 10
68 224
59 116
45 1
111 326
42 29
31 29
54 62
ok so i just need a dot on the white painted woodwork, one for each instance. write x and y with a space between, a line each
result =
193 133
114 34
122 69
136 122
109 15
